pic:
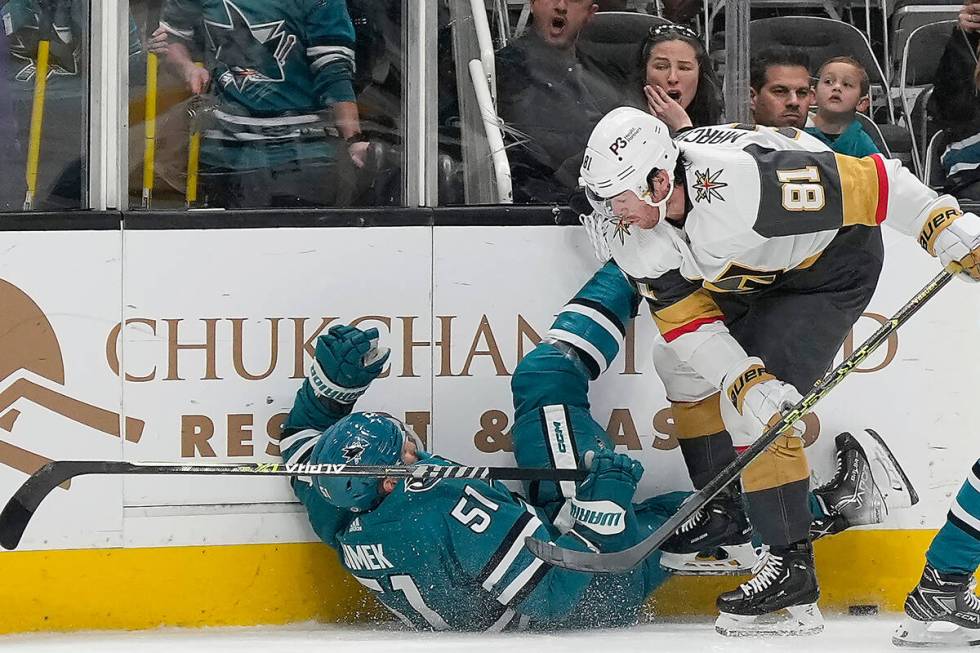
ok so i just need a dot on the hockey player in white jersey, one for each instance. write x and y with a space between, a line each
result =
751 245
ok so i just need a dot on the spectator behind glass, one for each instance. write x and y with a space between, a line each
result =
12 155
955 105
842 91
276 98
679 84
63 139
550 98
780 90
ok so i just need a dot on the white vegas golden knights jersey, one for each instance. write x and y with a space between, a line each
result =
764 201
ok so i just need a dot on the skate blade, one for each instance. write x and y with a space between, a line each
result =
887 473
926 634
734 560
794 621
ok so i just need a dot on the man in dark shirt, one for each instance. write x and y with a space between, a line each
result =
955 105
550 98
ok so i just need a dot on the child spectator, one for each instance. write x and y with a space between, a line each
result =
842 91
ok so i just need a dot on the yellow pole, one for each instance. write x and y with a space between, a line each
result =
37 121
193 156
150 129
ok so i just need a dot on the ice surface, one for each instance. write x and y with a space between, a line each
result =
864 634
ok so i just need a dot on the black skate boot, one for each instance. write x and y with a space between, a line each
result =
779 599
942 611
715 541
867 482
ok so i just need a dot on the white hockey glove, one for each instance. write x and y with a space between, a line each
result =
597 218
598 228
957 243
752 399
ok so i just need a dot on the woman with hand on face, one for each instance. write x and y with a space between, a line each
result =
679 84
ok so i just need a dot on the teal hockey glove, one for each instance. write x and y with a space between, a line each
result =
347 360
603 502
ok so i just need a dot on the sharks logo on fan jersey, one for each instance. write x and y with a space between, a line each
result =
253 52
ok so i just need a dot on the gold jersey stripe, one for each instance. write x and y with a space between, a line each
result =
696 306
859 190
808 261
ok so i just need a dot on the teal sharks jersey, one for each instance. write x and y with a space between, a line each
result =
449 554
276 66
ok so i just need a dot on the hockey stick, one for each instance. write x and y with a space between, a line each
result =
22 506
193 156
150 108
37 106
150 129
621 561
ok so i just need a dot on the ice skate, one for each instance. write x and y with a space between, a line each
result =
942 610
780 598
715 541
867 482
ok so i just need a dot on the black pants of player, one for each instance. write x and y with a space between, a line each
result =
796 326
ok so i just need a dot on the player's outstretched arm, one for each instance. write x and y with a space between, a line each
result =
936 221
346 361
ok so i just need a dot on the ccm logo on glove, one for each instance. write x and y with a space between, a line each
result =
744 382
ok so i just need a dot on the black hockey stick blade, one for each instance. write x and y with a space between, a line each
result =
622 561
25 501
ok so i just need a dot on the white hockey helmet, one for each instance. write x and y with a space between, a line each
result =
624 147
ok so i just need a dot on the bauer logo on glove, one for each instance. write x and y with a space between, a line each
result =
744 382
753 399
954 237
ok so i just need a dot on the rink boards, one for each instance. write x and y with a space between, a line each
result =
188 344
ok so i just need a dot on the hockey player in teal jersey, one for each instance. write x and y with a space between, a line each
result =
449 554
943 610
282 125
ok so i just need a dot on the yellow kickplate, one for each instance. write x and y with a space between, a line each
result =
107 589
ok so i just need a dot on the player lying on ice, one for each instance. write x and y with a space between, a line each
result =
449 554
754 249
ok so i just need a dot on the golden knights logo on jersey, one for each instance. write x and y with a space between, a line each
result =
707 184
253 52
738 278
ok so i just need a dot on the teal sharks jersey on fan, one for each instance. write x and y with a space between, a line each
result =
276 66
